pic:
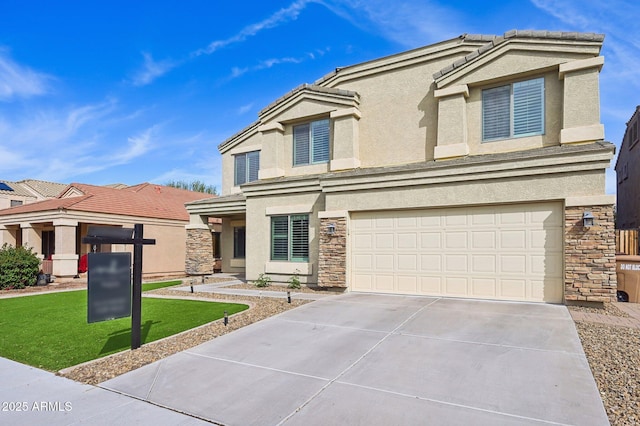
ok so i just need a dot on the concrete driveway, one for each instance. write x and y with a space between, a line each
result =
383 360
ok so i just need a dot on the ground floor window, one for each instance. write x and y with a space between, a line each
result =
290 238
239 233
48 244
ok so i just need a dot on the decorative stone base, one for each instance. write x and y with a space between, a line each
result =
332 262
199 257
590 255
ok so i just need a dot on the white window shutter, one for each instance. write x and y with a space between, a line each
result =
301 144
528 107
496 113
320 137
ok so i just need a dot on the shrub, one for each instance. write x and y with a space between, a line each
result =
19 267
262 281
294 281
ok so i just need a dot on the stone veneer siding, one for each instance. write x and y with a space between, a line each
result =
590 256
332 262
199 257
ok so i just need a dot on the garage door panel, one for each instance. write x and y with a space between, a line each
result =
384 241
384 282
407 283
516 239
456 286
384 262
408 240
483 263
456 240
513 289
483 288
431 240
513 264
363 262
407 262
431 263
512 252
455 263
482 240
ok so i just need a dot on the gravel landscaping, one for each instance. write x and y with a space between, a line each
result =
613 353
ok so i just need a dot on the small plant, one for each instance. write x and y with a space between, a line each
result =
294 281
262 281
18 267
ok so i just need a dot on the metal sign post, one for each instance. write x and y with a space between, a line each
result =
112 235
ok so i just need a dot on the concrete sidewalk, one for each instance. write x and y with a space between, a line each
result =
30 396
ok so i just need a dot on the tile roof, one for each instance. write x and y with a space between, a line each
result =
143 200
44 188
17 189
493 41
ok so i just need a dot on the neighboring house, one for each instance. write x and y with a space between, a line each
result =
27 191
55 228
459 169
628 174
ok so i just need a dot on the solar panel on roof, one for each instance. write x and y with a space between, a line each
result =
5 187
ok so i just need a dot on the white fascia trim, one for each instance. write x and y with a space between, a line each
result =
271 127
347 112
65 222
197 226
593 200
333 214
461 89
580 64
594 132
451 151
243 149
344 164
295 209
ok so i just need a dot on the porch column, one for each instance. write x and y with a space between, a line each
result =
199 250
7 236
65 259
31 238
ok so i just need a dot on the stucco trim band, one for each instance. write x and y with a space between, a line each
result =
344 163
590 133
461 89
347 112
451 151
295 209
581 64
595 200
332 214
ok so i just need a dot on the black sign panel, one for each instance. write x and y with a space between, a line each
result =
109 286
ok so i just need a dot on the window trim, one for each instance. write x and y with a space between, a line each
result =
245 157
289 237
311 146
511 112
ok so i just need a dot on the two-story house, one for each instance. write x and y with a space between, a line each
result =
473 168
628 175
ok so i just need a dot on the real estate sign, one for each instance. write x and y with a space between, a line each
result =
109 286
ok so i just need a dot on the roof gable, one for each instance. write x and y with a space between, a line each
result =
529 50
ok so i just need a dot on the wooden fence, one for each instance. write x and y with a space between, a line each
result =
627 241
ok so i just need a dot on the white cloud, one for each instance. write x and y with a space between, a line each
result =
19 81
283 15
151 70
410 23
244 109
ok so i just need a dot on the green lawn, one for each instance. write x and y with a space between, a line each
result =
50 331
163 284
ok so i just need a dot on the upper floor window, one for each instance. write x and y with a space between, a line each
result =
15 203
513 110
311 143
246 167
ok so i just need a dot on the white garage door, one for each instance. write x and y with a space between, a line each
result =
508 252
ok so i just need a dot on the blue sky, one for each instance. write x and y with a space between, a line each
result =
144 91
